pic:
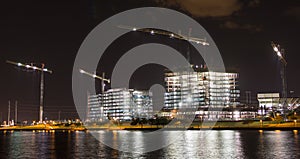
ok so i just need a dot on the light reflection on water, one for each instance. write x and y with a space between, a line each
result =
192 144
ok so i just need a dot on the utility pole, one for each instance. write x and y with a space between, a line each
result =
58 115
16 112
8 113
248 97
88 107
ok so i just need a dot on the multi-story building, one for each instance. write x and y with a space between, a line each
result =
221 89
199 90
94 110
192 90
183 88
213 89
141 104
119 104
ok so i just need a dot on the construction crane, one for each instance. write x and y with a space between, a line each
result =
103 79
281 55
168 34
41 69
178 36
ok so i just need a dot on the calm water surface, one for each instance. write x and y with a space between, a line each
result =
220 144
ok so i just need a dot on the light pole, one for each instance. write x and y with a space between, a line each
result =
103 79
281 55
42 69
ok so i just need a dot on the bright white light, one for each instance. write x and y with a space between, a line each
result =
236 113
19 64
196 66
205 43
81 71
172 35
275 49
152 32
198 42
279 54
27 66
134 29
94 76
45 69
189 99
180 104
34 67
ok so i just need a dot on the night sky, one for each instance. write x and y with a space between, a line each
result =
52 32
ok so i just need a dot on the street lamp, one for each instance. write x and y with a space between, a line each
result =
261 122
281 55
42 69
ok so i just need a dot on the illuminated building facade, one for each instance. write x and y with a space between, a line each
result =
119 104
268 102
141 104
201 90
183 88
210 89
271 102
94 109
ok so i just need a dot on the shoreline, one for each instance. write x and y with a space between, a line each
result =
221 125
152 129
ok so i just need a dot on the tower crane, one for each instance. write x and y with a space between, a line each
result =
103 79
281 55
41 69
167 34
178 36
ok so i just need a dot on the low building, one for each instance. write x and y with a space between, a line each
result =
268 102
226 114
271 102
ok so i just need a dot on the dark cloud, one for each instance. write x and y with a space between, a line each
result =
254 3
234 25
209 8
205 8
293 12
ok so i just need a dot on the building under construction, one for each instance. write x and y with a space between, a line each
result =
210 89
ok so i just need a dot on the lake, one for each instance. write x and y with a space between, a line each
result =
220 144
